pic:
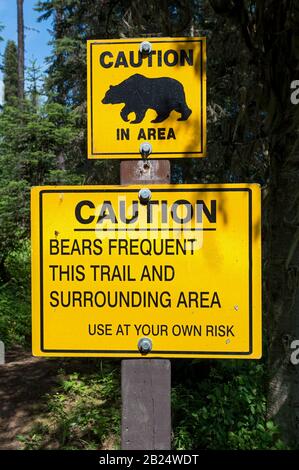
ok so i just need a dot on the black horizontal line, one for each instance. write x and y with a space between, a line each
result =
183 229
142 39
138 153
125 351
123 189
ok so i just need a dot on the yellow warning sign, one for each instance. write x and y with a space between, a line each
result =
179 276
158 97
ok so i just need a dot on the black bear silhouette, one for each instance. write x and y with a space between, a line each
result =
140 93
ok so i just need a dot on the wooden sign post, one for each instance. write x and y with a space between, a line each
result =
145 383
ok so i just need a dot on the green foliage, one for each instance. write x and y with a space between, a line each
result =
225 410
35 439
34 82
32 145
84 413
10 73
40 143
15 325
15 318
17 264
14 215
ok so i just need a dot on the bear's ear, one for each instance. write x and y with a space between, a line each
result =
110 88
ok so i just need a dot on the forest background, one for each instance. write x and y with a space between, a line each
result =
252 60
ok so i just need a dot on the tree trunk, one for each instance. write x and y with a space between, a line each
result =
283 300
20 50
271 34
61 91
280 58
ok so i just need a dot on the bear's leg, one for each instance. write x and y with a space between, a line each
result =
161 116
139 116
125 113
184 110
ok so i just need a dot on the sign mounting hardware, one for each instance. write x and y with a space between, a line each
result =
141 91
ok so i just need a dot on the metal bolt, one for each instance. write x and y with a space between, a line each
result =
144 195
145 149
145 345
145 47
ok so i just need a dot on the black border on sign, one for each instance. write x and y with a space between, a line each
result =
201 98
94 351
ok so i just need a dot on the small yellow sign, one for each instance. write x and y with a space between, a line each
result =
183 271
158 98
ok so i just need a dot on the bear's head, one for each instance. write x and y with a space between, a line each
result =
113 96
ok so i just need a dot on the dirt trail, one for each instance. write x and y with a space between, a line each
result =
24 380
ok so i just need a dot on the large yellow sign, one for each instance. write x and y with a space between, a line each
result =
183 271
158 98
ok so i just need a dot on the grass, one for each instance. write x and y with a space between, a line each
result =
82 413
